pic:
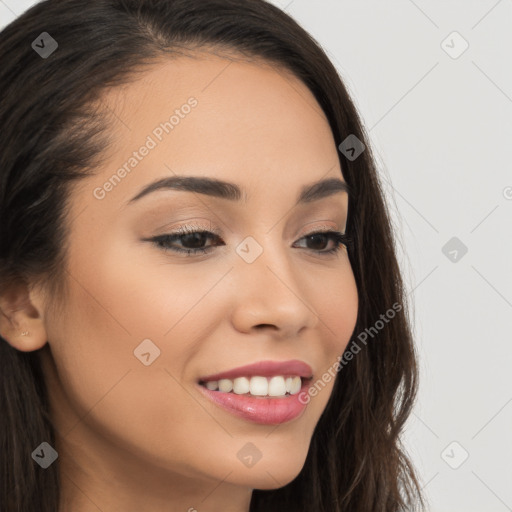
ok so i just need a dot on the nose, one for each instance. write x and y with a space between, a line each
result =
270 294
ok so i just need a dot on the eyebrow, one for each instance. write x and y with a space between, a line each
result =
232 192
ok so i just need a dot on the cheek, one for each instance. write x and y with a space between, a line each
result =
114 304
143 409
335 300
337 307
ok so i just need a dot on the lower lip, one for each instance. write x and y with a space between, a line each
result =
263 410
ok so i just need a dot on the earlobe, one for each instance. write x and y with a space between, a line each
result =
22 318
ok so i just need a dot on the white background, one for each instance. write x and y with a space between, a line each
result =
442 131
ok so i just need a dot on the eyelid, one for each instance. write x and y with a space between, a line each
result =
197 226
190 226
324 227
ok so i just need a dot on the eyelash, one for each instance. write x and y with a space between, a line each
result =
162 241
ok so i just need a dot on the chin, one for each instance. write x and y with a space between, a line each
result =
275 479
273 475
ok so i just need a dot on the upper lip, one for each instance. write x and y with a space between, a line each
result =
264 369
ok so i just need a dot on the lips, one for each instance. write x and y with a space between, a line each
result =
261 410
264 369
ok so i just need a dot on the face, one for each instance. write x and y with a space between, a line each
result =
146 317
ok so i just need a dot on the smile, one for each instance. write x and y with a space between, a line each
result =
262 409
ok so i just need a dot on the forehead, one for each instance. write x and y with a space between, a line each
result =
251 123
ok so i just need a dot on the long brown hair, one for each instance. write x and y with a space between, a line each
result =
52 136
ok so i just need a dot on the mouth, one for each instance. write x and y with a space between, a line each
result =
258 386
266 393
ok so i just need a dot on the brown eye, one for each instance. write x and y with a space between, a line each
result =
193 241
316 241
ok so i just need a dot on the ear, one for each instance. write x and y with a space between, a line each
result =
22 317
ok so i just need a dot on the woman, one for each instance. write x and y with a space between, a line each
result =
201 304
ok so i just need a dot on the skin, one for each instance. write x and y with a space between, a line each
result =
143 438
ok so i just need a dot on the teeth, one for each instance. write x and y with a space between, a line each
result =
213 385
257 386
277 386
225 385
241 386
